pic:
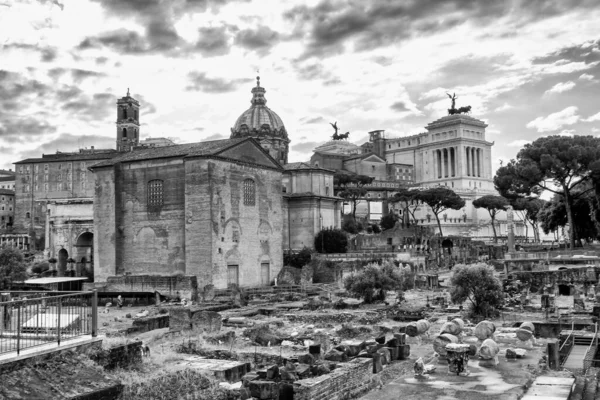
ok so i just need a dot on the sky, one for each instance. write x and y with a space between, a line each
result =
528 68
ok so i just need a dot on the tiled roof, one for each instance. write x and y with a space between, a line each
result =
69 157
180 150
296 166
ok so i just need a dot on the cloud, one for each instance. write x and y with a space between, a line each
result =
314 120
200 82
121 40
586 77
399 106
330 26
212 41
69 142
260 39
81 74
305 146
519 143
503 107
567 132
215 136
555 121
560 88
595 117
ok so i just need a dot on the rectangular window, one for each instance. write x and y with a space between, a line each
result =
249 192
45 167
27 168
21 169
68 185
155 194
45 177
36 168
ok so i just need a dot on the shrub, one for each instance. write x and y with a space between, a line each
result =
350 226
331 241
477 283
388 221
372 282
40 267
12 267
376 228
299 259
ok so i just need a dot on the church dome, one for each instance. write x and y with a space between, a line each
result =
258 120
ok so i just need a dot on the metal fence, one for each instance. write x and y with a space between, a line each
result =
33 319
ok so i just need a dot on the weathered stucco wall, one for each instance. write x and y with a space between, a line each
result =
222 232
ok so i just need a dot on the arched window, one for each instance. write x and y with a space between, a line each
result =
135 113
124 132
135 133
249 192
27 215
155 194
124 113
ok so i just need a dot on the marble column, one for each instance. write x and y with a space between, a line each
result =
468 159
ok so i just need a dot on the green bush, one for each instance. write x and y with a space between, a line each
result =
331 241
388 221
376 228
350 226
477 283
374 280
299 259
40 267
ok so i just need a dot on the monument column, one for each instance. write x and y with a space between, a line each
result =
467 159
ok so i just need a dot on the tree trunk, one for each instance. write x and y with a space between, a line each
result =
493 217
439 224
568 204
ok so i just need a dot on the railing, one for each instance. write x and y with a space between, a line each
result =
45 318
590 354
565 355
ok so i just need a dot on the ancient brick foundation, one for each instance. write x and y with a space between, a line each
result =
347 381
187 286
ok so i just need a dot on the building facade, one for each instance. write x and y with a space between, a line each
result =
210 209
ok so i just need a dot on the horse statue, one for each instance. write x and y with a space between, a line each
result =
344 136
464 110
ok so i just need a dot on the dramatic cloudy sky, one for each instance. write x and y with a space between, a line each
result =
529 68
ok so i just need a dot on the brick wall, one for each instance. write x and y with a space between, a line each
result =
348 380
187 286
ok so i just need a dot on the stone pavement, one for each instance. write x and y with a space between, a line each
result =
504 382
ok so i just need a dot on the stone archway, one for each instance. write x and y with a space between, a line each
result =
564 290
63 256
447 245
85 255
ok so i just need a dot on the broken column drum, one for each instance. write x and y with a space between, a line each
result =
525 331
489 349
484 330
440 343
417 328
458 358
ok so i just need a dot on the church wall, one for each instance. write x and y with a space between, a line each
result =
224 234
105 228
304 219
152 240
327 161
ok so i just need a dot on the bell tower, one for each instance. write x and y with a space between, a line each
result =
128 123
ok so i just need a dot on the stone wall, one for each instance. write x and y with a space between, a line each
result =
349 380
187 286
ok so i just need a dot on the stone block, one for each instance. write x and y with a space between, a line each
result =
303 371
394 352
337 356
272 372
179 319
264 390
314 349
515 353
377 364
205 321
364 354
401 337
392 343
247 378
286 375
354 347
385 355
403 352
286 391
306 359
